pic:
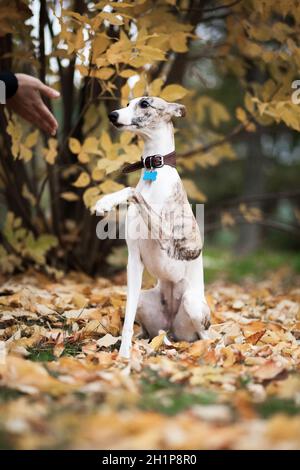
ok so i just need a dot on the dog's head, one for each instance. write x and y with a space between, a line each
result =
145 113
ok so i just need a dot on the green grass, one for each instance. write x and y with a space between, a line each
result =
274 405
222 263
7 394
160 395
44 352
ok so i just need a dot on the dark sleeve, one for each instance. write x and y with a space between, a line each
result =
11 83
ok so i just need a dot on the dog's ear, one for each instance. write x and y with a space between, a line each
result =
177 110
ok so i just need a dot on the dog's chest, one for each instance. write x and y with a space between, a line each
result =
157 192
159 264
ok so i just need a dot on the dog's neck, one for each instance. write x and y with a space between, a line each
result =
159 140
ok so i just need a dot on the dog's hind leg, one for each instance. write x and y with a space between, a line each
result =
150 312
193 317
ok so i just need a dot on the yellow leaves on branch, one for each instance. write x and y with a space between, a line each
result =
103 73
207 106
227 220
250 214
110 186
21 147
283 110
135 53
83 152
109 165
192 190
50 153
112 157
111 18
23 241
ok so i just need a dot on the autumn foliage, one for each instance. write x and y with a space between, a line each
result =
234 65
99 57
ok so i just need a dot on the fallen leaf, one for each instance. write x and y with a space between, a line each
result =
108 340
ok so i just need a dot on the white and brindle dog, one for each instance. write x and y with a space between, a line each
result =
177 303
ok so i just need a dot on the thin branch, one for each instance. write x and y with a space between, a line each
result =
225 205
273 224
209 10
205 148
221 7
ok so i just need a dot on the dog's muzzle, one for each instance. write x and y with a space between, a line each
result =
113 117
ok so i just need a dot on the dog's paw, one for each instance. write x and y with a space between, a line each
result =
103 206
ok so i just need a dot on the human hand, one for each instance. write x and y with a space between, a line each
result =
28 103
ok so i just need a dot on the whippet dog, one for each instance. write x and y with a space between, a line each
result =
177 303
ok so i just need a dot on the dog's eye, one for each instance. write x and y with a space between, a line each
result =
144 104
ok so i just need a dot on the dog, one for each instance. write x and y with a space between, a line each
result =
177 303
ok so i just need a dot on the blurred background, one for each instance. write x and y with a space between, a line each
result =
234 64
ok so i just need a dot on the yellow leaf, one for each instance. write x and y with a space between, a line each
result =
91 196
155 87
98 174
126 137
110 186
104 73
83 157
227 219
109 165
218 113
241 114
178 42
69 196
31 139
90 145
139 88
116 21
25 153
102 62
158 341
100 44
192 190
79 300
127 73
51 152
82 181
173 92
105 141
74 145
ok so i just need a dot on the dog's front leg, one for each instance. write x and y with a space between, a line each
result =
134 283
109 201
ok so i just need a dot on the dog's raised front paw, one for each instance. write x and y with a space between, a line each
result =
103 206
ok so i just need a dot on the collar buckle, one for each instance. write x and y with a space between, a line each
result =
161 161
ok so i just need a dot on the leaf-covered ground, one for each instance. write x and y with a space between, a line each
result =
62 385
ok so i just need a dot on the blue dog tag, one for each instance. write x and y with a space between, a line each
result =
150 175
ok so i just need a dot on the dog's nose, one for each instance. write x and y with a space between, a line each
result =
113 117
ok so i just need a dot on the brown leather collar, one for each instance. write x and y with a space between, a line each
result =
152 162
